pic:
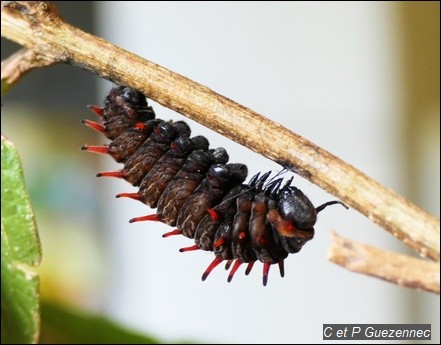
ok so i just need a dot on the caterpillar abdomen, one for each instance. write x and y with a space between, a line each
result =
196 190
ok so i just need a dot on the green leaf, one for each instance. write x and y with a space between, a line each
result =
20 253
5 86
64 325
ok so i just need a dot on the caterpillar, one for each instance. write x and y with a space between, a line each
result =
196 190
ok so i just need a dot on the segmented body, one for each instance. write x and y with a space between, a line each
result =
196 190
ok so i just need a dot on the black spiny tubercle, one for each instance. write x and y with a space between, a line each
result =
195 190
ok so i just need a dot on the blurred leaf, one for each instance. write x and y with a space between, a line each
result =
20 248
5 86
63 325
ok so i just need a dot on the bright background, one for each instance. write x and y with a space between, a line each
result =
359 79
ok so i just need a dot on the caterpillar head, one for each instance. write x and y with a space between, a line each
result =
295 212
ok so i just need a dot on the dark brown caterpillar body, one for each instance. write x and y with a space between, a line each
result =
195 189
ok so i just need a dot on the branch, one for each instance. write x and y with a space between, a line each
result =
396 268
20 63
37 26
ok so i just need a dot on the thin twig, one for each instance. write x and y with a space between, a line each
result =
20 63
37 26
396 268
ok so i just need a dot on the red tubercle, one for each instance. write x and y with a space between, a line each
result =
189 249
261 240
236 265
116 174
152 217
249 267
281 268
228 264
242 235
266 268
134 196
94 125
213 214
140 125
172 233
217 260
219 242
103 149
96 109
